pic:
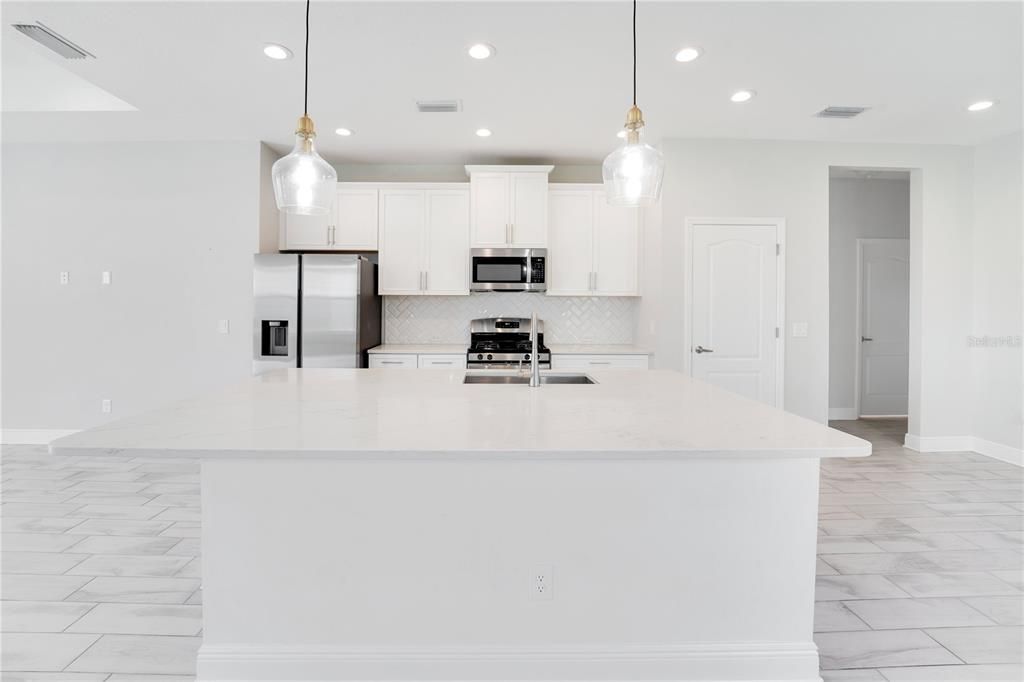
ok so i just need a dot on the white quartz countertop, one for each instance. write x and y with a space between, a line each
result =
371 413
556 348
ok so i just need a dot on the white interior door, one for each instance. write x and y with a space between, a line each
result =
884 326
734 313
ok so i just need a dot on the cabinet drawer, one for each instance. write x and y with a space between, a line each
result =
392 361
576 362
442 361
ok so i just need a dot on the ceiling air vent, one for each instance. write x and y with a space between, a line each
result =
841 112
439 106
49 38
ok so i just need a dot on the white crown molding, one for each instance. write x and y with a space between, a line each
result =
33 436
793 661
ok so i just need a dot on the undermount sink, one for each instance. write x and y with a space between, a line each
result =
523 380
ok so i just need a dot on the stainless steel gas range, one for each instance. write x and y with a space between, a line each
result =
504 343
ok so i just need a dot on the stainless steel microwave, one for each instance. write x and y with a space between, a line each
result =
508 270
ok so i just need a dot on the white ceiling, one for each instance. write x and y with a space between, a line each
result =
557 90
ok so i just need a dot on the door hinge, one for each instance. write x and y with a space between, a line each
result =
778 249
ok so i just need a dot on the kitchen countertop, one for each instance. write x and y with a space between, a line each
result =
382 414
555 348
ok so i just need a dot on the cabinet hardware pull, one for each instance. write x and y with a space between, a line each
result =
600 362
440 362
702 349
595 282
426 280
866 338
512 233
391 362
328 235
334 235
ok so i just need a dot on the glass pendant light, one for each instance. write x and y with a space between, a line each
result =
633 172
304 184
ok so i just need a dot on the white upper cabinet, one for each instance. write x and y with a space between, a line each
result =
305 232
402 220
489 209
424 242
351 224
570 242
355 220
616 248
446 248
508 206
593 247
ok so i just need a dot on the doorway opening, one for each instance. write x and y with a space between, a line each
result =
869 293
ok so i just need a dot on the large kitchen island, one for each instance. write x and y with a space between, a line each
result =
404 525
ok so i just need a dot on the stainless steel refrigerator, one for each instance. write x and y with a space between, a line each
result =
314 310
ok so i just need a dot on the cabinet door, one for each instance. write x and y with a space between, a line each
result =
529 209
447 242
570 251
392 361
616 248
489 205
401 241
565 362
442 361
305 231
355 224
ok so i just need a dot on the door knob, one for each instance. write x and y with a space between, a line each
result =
702 349
866 338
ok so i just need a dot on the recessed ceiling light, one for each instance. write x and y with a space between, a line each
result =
688 54
483 132
481 51
742 95
275 51
344 132
981 106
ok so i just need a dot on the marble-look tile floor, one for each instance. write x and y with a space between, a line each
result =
920 563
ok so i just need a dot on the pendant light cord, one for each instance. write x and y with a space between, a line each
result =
305 91
634 53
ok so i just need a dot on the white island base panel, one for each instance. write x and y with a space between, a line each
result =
427 569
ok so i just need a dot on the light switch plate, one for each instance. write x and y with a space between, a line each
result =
65 277
799 329
105 277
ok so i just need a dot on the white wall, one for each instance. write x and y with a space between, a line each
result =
790 180
176 224
998 287
859 208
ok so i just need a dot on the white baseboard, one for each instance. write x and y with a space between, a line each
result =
1004 453
33 436
842 413
999 451
748 661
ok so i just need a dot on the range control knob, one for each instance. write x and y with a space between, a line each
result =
480 356
526 357
490 357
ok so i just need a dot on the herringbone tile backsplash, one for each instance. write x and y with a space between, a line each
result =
445 319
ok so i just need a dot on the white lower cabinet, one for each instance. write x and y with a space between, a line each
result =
566 361
393 360
442 361
424 242
593 248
